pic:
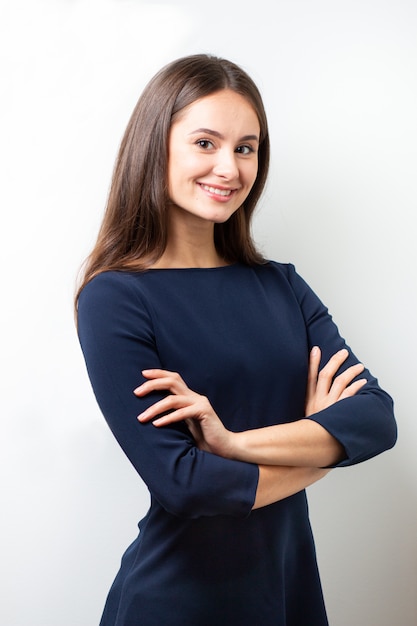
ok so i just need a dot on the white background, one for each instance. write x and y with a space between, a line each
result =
339 80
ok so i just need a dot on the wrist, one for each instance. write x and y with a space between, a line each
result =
236 446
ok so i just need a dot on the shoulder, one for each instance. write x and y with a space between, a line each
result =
108 285
111 296
286 275
276 270
277 267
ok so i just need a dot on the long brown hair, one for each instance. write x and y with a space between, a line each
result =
133 233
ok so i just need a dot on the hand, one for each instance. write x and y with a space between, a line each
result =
184 405
323 389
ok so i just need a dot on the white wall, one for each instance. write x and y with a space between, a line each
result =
339 79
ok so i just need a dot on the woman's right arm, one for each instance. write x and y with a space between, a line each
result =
117 338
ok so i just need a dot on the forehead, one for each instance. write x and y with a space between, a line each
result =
225 109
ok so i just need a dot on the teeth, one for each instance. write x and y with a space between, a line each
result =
219 192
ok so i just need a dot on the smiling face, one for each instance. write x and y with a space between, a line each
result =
213 156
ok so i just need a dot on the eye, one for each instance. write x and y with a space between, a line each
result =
245 150
205 144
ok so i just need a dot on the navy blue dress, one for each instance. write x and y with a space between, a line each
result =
241 336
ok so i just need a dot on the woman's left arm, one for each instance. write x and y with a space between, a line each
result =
364 423
347 420
304 443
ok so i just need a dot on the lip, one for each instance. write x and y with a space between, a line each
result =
222 194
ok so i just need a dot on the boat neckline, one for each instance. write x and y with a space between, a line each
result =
192 269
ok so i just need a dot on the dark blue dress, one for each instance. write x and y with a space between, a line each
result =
241 336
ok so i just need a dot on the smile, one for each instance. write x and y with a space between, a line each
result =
216 191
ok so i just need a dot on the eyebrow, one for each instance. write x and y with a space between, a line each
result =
215 133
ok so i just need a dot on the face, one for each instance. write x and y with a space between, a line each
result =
213 156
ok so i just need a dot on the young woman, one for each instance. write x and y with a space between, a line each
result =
221 374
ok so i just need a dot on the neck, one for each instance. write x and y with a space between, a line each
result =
190 244
181 255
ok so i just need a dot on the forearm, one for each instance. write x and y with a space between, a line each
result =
276 482
303 443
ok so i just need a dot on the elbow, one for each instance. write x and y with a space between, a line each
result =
197 484
181 503
388 431
383 438
391 434
368 429
180 489
382 426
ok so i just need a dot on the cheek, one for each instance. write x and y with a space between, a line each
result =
171 178
251 174
184 166
177 170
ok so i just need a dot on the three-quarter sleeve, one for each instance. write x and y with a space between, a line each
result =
364 424
117 338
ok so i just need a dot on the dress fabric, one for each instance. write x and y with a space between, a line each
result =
241 336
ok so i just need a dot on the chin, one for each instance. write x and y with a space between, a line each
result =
220 217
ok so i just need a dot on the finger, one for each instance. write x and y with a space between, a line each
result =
350 373
313 370
335 362
184 413
158 373
345 378
166 404
162 380
353 388
160 384
327 374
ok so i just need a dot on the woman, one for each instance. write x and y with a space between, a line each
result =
181 319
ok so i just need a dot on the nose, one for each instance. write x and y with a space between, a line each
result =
226 164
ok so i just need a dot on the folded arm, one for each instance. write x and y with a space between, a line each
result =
290 456
303 443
